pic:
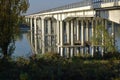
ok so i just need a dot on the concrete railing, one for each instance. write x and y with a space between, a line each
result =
79 4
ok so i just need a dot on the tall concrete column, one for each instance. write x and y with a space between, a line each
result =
78 35
82 37
68 31
87 35
39 34
31 30
35 35
58 36
39 25
68 37
43 36
55 29
87 31
82 33
72 39
78 31
49 26
61 37
49 37
54 33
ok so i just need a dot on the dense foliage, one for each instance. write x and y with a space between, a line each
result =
53 67
103 38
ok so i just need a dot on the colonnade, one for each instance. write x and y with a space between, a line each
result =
68 37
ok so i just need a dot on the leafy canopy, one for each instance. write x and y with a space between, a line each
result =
10 16
103 38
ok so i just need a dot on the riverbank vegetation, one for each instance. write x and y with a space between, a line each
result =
11 15
51 66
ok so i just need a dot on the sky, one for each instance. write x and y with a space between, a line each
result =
39 5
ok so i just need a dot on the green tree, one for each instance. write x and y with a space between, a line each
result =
104 39
10 17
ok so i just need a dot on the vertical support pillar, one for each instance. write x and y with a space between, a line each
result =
31 30
87 31
87 35
78 31
58 36
82 33
54 33
82 37
92 25
68 37
78 35
39 34
72 35
49 37
43 36
35 35
39 26
68 32
61 37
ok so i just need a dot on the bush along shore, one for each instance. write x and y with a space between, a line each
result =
51 66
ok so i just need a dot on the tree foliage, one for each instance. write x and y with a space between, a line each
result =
103 38
10 16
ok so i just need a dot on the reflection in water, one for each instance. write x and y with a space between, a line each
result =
22 46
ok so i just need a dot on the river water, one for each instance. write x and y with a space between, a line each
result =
23 47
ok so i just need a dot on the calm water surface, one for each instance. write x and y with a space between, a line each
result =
23 47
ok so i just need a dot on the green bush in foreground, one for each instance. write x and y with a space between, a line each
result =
53 67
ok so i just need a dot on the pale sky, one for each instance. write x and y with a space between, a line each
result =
39 5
